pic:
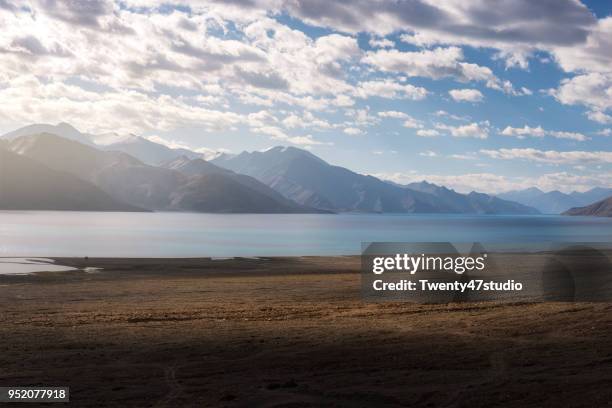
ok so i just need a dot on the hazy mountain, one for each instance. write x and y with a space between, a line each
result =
143 149
149 152
473 202
130 180
601 208
64 130
592 195
200 167
555 202
303 177
28 185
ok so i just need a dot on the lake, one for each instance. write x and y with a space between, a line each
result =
79 234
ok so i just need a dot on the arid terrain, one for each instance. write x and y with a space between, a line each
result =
289 332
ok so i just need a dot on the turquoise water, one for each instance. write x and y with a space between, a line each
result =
55 234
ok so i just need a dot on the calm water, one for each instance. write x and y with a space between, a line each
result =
54 234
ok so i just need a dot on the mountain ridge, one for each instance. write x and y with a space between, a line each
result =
308 179
132 181
602 208
42 188
555 201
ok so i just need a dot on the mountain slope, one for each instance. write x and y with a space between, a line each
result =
473 202
28 185
555 202
601 208
200 167
149 152
143 149
139 184
64 130
301 176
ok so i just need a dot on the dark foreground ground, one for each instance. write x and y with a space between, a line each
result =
289 333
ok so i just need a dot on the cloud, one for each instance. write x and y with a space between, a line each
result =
353 131
466 95
591 55
437 22
495 183
380 43
412 123
550 156
427 133
593 90
527 131
111 111
437 63
393 114
80 13
516 28
277 133
604 132
475 130
600 117
428 153
391 90
442 113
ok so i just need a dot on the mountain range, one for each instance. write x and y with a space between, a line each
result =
305 178
137 184
556 202
137 173
40 188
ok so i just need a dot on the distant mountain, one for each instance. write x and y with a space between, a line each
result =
64 130
601 208
473 202
591 196
130 180
555 202
143 149
149 152
200 167
28 185
303 177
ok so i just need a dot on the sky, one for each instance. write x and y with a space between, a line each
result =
486 95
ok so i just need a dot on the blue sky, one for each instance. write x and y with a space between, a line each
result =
485 95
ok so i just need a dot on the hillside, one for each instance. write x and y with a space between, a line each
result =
601 208
305 178
28 185
156 188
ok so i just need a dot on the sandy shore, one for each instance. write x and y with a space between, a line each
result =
289 332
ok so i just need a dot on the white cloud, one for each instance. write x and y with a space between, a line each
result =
412 123
593 90
600 117
391 90
520 26
475 130
591 55
466 95
393 114
495 183
428 153
353 131
277 133
550 156
381 43
427 133
527 131
604 132
437 63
